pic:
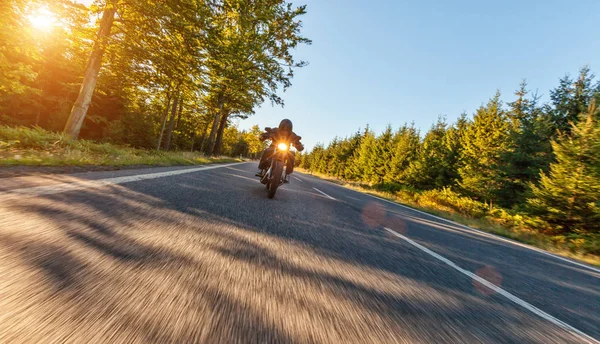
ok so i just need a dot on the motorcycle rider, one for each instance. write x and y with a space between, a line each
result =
283 133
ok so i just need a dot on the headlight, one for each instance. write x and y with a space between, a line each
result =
282 146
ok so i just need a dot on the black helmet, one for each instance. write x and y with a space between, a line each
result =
286 125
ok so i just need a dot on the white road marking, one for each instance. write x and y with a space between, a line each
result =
236 169
324 194
87 184
498 290
469 229
254 180
298 179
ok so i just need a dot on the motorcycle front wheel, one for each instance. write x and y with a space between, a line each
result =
275 178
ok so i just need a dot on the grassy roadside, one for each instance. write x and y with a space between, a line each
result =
498 222
36 147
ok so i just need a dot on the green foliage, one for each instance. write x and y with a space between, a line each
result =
448 200
220 58
37 147
567 196
500 166
434 166
485 140
407 143
530 151
570 99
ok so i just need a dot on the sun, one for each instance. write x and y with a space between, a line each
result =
42 19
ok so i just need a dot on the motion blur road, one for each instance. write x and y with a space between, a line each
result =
182 255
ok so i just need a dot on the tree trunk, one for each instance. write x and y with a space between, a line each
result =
219 141
169 134
215 124
90 77
203 141
162 130
179 112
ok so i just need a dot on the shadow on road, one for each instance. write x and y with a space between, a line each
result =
212 260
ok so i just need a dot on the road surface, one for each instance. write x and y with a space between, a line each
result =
200 254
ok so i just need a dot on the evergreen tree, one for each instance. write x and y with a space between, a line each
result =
530 151
317 159
350 154
453 143
567 197
407 143
361 168
382 155
484 143
570 99
432 167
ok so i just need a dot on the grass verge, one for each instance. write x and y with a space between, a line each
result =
499 222
20 146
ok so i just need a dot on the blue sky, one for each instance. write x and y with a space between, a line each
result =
395 61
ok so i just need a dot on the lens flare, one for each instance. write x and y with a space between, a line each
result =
282 146
373 214
42 19
490 274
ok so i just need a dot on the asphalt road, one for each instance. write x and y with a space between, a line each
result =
183 255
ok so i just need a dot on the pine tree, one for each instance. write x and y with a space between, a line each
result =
530 151
432 167
570 99
453 143
407 143
350 155
362 168
382 155
318 162
568 196
484 143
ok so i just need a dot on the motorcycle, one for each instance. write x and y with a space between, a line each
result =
275 175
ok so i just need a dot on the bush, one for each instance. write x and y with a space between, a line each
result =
448 200
33 138
37 147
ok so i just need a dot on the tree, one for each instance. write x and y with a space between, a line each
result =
407 142
570 99
349 154
92 69
484 142
530 151
453 139
17 51
567 196
363 167
255 146
38 67
250 57
382 154
432 168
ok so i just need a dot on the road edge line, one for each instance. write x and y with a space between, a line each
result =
497 289
471 229
85 184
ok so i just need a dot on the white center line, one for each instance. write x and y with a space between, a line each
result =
324 194
511 297
87 184
298 179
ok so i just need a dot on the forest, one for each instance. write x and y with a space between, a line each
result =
525 163
164 75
